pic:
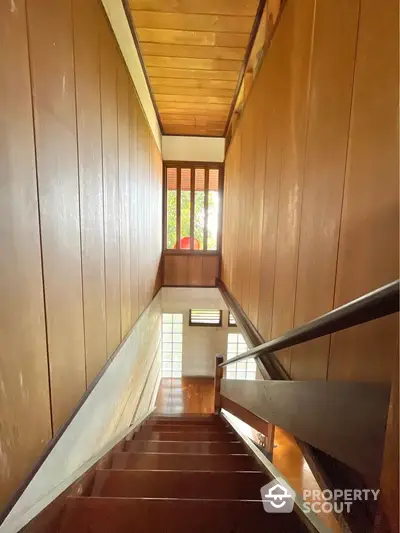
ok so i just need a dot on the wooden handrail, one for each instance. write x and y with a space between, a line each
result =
376 304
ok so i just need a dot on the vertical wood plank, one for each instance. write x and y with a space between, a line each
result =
195 270
368 244
87 73
108 70
257 208
53 86
133 219
275 91
210 270
334 51
124 197
143 206
299 20
248 167
24 382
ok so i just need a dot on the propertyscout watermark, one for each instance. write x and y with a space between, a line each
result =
278 497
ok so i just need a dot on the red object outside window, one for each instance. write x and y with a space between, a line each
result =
185 244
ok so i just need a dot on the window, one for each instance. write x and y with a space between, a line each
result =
171 360
244 369
231 320
205 317
192 205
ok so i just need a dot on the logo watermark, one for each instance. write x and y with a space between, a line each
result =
278 497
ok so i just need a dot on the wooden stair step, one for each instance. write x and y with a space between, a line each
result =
184 447
179 484
208 436
106 515
185 416
186 427
174 461
188 419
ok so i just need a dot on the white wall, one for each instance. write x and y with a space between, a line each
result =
200 344
125 393
119 23
179 148
178 298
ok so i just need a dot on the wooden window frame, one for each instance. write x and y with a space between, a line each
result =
230 314
192 165
204 324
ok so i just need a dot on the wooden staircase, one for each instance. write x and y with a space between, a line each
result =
187 473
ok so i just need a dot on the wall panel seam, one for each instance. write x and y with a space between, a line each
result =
79 188
344 180
40 223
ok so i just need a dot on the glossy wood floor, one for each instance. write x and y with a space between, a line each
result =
186 395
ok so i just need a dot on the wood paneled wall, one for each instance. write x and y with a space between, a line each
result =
190 270
311 184
81 209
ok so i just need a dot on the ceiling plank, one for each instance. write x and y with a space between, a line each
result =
171 110
178 115
169 83
208 117
192 22
189 105
193 130
202 38
201 52
201 64
192 99
195 122
162 72
215 7
179 90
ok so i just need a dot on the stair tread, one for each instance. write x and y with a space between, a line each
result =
186 427
178 484
214 436
124 515
199 447
177 461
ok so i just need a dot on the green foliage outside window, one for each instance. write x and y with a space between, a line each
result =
185 218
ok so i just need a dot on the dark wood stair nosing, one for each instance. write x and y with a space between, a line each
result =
188 454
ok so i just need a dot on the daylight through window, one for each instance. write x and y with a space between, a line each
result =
192 199
172 345
244 369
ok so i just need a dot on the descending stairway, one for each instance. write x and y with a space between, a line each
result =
186 473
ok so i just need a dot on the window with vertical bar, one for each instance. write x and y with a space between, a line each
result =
192 206
243 369
171 361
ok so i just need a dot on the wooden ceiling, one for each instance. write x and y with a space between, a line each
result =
193 51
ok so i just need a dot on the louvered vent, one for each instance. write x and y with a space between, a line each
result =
205 317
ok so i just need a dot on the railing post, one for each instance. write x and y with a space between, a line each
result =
269 443
219 373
